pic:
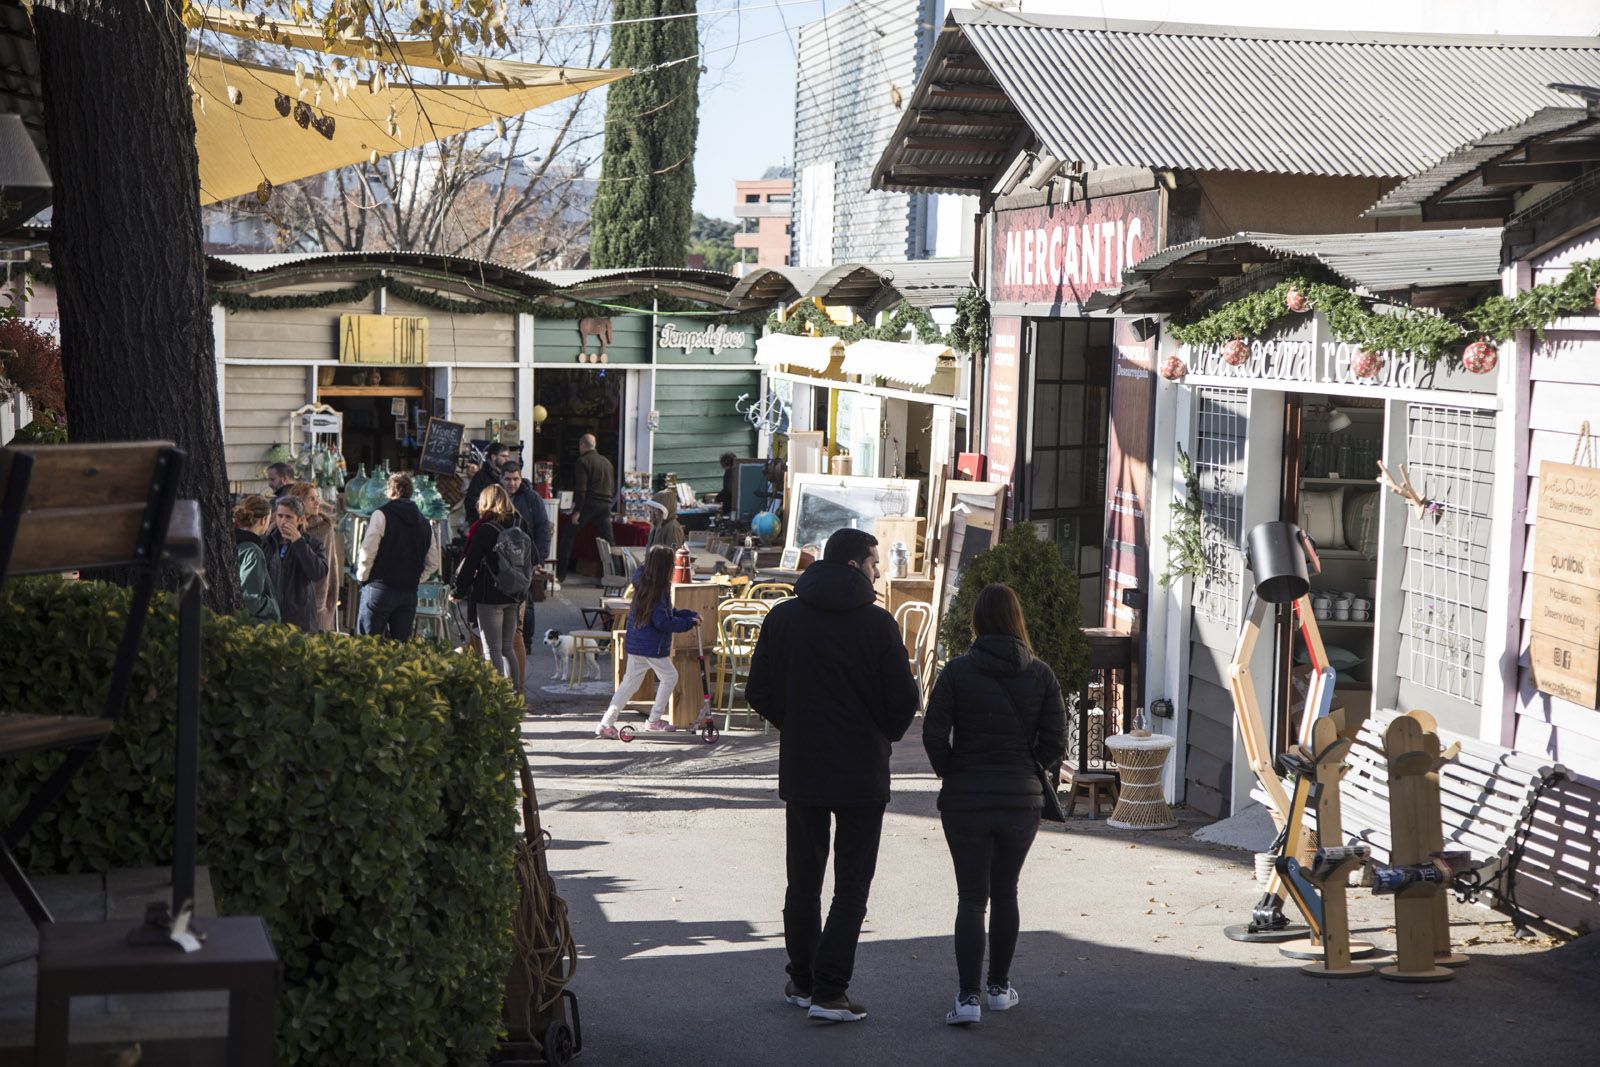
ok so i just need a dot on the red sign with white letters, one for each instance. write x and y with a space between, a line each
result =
1065 253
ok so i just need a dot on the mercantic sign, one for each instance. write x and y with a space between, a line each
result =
1065 253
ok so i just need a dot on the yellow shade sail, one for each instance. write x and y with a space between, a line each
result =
243 139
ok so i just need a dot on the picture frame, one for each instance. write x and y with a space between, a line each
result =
790 560
438 407
971 521
824 503
397 407
401 429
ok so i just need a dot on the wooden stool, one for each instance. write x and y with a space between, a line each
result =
1141 805
95 959
1093 785
585 643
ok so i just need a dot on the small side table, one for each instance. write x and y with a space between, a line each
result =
1140 803
95 959
585 643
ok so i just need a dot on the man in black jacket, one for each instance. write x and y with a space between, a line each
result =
397 552
594 486
494 459
295 562
830 672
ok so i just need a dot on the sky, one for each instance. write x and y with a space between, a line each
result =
747 94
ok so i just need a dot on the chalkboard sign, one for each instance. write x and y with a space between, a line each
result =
441 444
750 481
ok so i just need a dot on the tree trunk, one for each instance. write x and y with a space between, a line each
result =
125 242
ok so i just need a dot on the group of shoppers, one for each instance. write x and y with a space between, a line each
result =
830 672
283 547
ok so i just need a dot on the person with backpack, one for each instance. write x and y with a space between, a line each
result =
994 718
652 621
496 571
398 550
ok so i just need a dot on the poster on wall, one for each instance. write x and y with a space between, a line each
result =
826 503
1003 397
1065 253
1564 648
1127 563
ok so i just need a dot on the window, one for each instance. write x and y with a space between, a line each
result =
779 198
1450 454
1223 419
752 198
1071 383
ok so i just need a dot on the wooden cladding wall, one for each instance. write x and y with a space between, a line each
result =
255 416
1560 873
699 423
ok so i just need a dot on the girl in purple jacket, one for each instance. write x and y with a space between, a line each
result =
651 624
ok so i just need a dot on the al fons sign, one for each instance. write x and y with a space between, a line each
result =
401 339
1065 253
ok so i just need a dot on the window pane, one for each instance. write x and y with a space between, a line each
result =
1044 480
1047 354
1047 417
1069 478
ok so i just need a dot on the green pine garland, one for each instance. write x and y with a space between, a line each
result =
808 318
970 332
1186 554
1431 335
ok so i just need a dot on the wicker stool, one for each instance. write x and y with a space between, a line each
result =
1092 785
1141 804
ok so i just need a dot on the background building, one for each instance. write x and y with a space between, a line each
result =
762 208
856 70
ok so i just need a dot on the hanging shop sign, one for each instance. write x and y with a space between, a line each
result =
1564 649
715 339
1065 253
393 339
1306 357
1004 379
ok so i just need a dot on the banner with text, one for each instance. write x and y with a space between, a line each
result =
1133 394
1004 381
1065 253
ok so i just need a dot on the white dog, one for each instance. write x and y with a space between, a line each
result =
561 648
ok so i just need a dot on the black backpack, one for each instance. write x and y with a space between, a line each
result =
514 562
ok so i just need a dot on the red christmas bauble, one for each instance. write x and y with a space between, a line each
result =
1173 369
1235 352
1366 364
1296 301
1597 299
1481 356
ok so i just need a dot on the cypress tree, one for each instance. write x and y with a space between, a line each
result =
643 207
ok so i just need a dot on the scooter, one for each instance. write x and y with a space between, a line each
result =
704 725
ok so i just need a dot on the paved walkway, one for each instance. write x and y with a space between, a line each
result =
670 855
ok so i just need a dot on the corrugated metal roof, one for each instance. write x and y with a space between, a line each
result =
20 78
1408 198
1373 263
771 285
1112 93
566 278
878 286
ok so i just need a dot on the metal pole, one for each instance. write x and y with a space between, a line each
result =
187 789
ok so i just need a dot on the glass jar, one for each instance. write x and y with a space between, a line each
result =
1316 465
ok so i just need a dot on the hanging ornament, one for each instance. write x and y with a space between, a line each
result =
1481 356
282 104
1235 352
1597 298
1173 369
1296 301
1365 364
302 114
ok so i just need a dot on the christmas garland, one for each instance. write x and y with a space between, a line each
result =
970 332
1431 335
808 318
1186 554
40 272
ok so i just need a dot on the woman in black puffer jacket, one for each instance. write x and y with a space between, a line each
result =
995 712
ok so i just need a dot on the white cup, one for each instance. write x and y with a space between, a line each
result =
1341 614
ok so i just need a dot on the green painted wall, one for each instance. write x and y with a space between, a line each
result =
556 341
699 423
700 329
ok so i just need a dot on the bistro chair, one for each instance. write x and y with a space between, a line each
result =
74 507
739 622
770 591
613 576
915 619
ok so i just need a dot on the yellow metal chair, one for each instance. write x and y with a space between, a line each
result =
739 622
770 591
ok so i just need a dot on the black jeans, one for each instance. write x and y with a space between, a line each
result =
821 958
988 849
592 513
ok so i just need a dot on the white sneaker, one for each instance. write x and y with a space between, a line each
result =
997 999
965 1013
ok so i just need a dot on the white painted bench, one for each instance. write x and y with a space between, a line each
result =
1486 793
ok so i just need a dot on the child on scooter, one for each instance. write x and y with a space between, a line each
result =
651 623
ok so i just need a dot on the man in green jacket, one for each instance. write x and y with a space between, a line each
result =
594 485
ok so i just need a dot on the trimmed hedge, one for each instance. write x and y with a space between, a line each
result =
359 794
1048 590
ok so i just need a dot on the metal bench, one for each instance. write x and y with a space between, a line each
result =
1487 793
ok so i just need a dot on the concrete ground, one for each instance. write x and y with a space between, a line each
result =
669 854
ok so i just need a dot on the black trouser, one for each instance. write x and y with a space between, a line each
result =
821 958
599 513
988 849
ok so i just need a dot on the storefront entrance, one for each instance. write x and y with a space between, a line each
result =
577 402
1068 399
385 410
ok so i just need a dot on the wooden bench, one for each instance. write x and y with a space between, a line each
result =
1487 794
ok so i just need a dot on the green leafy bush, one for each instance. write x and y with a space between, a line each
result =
358 794
1048 589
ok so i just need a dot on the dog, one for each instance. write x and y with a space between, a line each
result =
561 648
